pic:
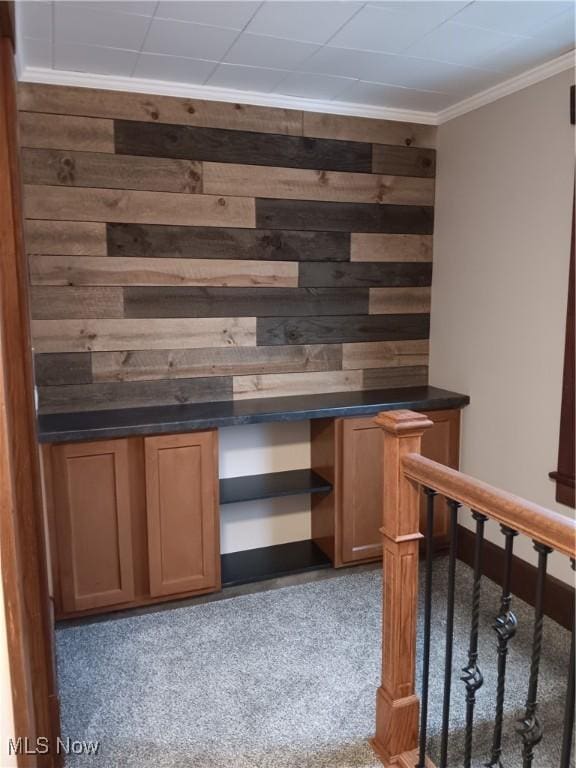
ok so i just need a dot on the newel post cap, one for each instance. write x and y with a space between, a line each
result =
403 422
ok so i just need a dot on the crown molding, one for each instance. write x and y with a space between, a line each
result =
208 93
507 87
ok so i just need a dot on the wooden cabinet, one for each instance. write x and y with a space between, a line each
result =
132 521
182 512
346 525
93 524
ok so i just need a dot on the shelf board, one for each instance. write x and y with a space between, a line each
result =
272 485
272 562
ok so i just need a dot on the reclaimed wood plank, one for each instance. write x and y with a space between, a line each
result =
224 146
153 108
98 169
224 243
49 302
344 217
278 385
339 329
342 127
65 132
404 161
390 378
391 273
102 270
111 335
149 364
381 247
385 354
64 368
109 205
133 394
243 302
65 238
391 301
304 184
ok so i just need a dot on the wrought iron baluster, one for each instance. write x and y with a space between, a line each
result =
471 674
430 496
454 506
505 628
567 735
529 727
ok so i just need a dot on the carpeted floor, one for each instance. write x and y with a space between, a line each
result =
281 679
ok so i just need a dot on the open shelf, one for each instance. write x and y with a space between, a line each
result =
272 485
272 562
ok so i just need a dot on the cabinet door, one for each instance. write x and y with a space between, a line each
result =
361 500
362 479
442 444
182 512
93 517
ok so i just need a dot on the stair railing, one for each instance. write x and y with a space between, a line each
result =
401 722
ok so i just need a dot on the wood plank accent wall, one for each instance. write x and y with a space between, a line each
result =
187 251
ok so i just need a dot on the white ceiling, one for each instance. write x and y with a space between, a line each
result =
406 55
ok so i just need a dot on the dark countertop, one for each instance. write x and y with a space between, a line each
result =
166 419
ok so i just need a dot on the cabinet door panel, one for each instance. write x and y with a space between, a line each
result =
181 501
93 521
362 480
441 443
361 489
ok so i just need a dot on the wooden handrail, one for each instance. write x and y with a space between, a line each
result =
404 472
541 524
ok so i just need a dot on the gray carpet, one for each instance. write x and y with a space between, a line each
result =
281 679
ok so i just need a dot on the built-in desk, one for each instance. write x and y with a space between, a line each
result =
133 495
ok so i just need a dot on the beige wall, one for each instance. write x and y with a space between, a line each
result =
501 250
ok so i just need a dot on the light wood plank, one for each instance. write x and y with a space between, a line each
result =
157 109
88 204
189 363
49 302
304 184
101 270
325 126
382 247
391 301
278 385
98 169
65 238
385 354
170 333
66 132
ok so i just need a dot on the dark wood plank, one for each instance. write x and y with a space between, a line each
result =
133 394
160 241
243 302
390 273
272 562
231 146
344 217
99 169
333 330
404 161
391 378
55 302
53 370
272 485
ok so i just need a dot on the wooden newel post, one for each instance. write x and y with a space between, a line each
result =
397 705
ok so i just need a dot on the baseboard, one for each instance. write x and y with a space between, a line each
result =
559 597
